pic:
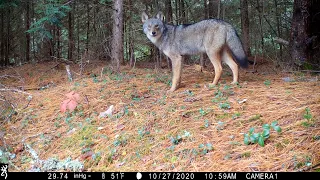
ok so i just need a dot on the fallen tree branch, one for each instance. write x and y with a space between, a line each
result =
15 90
281 41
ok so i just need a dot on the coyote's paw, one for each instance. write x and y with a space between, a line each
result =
212 85
171 90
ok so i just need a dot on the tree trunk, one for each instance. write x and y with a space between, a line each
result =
278 20
260 24
182 12
78 33
245 26
8 45
27 34
177 12
315 33
206 11
300 48
2 45
33 37
88 26
57 41
214 9
70 36
117 40
168 7
131 35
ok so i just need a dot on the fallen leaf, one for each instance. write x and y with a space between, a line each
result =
71 131
107 112
72 105
120 126
146 159
242 101
86 155
159 168
63 107
19 148
192 99
100 128
74 96
119 164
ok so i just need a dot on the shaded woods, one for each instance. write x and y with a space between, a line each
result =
284 32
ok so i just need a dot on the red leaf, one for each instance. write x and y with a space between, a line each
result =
86 155
76 97
72 105
71 102
70 94
63 107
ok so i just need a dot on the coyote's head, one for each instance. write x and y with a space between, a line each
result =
153 27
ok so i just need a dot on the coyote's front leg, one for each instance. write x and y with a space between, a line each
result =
176 71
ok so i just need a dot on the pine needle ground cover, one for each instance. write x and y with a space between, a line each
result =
268 122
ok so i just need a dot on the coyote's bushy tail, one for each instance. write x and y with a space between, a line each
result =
235 45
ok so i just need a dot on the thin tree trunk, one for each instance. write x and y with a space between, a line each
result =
219 9
78 34
168 7
8 45
260 24
131 35
57 41
2 47
206 12
27 34
177 12
88 26
117 40
182 12
33 37
70 36
278 25
211 11
245 26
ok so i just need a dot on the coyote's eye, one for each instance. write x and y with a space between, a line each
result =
149 27
156 26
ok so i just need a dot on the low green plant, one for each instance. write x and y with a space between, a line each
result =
205 148
176 140
308 116
255 117
267 82
220 125
236 115
253 138
206 123
225 105
202 112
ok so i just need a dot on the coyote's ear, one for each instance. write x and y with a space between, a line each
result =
160 16
144 17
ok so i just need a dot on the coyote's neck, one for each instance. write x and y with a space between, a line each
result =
160 41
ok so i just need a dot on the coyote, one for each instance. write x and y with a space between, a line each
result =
215 37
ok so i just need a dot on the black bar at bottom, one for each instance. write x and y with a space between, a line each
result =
160 175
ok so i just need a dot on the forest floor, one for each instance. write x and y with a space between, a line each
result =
196 128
